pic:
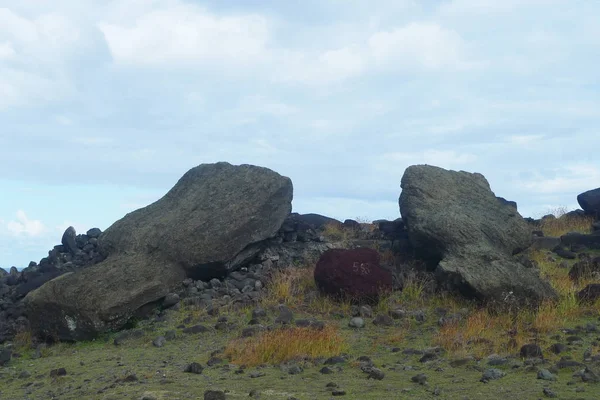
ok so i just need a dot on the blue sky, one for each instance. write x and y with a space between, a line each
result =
105 104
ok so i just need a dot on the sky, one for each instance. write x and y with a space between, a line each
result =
105 104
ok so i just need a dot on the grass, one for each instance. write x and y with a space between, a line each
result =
286 344
96 369
563 223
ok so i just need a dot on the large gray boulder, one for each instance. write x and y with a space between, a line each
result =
458 225
212 221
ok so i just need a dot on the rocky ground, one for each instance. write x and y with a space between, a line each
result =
412 344
216 291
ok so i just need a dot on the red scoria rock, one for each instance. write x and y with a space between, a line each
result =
352 273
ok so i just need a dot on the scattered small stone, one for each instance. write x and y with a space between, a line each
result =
295 370
335 360
259 313
125 335
548 393
589 376
365 311
567 363
194 368
491 374
421 379
338 392
495 360
285 315
558 348
302 323
428 357
531 350
257 374
214 361
419 316
24 375
5 356
58 372
214 395
326 370
383 320
130 378
546 375
376 374
159 341
398 314
196 329
574 339
356 322
170 300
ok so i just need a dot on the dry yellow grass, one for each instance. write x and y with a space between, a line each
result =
564 224
23 340
289 285
485 332
286 344
335 232
482 333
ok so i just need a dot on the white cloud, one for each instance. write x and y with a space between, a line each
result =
92 141
63 120
571 179
25 226
325 67
419 44
442 158
185 34
257 104
524 140
37 50
6 51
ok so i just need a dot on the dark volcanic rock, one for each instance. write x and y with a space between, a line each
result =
580 239
590 201
456 223
355 274
505 202
5 356
69 240
530 350
210 222
586 268
213 220
590 293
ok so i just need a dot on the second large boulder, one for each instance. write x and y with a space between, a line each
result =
459 226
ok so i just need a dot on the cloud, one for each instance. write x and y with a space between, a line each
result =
571 179
328 66
6 51
420 44
92 140
442 158
25 226
63 120
37 50
524 140
188 35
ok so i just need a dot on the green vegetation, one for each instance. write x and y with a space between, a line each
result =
137 369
